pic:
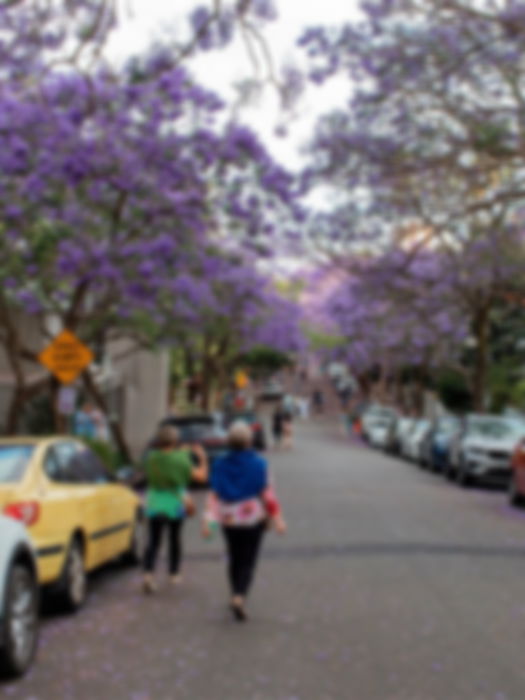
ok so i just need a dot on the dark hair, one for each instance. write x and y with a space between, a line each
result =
167 436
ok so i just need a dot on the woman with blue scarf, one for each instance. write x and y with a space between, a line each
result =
243 502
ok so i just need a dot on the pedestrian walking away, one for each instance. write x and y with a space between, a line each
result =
277 424
318 400
243 501
169 469
287 423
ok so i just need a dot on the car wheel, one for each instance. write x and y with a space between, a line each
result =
74 579
464 479
516 498
451 473
20 622
135 553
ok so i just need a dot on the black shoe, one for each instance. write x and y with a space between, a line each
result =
239 612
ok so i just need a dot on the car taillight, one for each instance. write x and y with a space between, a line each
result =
520 446
27 512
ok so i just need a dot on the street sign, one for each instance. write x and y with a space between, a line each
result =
66 357
241 379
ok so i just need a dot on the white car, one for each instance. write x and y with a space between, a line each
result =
19 599
378 433
375 422
273 390
485 451
412 439
399 429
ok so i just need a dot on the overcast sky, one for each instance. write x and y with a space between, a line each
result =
144 21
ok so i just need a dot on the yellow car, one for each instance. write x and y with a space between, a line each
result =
77 516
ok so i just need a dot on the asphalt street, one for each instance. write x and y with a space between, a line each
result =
391 583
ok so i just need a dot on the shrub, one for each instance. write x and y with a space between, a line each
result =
453 391
107 453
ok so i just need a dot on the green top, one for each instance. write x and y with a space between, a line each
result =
168 475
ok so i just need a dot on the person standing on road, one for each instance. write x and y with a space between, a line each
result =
169 469
287 440
318 400
277 425
243 501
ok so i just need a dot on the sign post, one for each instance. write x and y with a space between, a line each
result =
67 399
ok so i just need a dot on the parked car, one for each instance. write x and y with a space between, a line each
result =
206 429
19 597
434 448
398 429
376 418
255 423
76 513
516 490
413 438
483 450
272 390
378 432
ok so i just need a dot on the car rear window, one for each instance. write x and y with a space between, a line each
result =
245 416
13 462
196 432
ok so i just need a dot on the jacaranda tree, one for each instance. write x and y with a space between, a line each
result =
115 183
432 143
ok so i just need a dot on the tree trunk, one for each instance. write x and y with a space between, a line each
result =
398 390
419 395
114 426
15 410
481 365
189 362
207 374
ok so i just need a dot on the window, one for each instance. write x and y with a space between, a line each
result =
13 462
52 465
58 463
71 463
89 468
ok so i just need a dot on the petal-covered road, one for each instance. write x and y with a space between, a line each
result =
390 584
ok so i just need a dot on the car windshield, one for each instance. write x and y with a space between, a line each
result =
379 412
246 416
381 422
446 426
498 429
197 431
13 462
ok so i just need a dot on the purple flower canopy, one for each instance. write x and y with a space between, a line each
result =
123 185
380 313
426 164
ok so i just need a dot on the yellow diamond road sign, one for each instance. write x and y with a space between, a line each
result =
66 357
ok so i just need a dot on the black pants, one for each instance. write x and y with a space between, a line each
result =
243 544
156 526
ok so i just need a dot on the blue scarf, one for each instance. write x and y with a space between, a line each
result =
239 475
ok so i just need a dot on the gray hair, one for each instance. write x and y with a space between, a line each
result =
239 435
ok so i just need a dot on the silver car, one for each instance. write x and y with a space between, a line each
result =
484 450
19 599
375 422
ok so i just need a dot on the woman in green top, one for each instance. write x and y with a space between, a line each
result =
169 469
